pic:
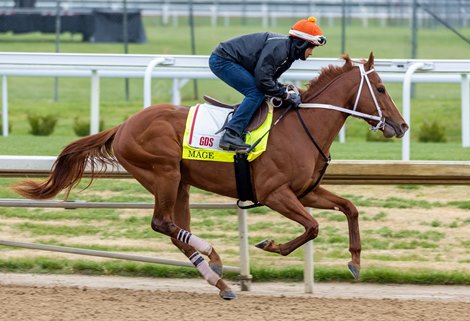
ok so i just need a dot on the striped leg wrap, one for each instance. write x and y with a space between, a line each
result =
184 236
199 244
210 276
196 258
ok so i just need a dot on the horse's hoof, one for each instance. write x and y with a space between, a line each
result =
263 244
227 294
217 268
354 269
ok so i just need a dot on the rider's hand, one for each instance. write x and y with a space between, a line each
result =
293 99
291 87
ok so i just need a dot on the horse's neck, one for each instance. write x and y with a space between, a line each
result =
324 125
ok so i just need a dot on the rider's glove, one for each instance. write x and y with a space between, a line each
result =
293 99
291 87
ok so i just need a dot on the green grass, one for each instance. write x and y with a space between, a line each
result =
393 202
461 204
393 41
64 230
83 215
260 274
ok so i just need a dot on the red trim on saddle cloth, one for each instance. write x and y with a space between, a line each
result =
192 124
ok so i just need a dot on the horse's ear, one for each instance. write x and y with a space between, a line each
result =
370 63
347 59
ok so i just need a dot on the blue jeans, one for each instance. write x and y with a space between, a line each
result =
239 78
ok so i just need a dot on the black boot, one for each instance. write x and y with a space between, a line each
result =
231 140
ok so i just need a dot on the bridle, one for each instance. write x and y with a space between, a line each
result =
326 158
379 117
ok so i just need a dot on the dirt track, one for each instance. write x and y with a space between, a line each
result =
58 298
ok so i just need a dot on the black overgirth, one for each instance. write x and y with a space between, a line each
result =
242 171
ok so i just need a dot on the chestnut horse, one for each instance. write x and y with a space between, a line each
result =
285 177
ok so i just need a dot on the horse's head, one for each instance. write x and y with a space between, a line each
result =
373 99
356 89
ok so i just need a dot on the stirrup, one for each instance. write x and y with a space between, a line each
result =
235 148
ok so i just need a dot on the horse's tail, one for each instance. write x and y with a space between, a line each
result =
68 169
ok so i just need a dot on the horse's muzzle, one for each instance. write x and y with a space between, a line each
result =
392 129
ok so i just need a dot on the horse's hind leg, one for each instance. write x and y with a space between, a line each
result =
171 217
323 199
212 272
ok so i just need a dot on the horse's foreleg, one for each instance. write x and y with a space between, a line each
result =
211 272
323 199
284 201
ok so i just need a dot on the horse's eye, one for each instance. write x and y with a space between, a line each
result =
381 90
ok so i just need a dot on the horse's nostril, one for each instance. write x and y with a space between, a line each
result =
404 127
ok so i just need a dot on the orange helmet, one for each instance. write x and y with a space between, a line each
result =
309 31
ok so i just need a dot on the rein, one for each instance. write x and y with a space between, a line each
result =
274 124
327 159
364 76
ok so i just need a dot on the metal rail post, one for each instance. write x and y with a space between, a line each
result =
245 276
308 265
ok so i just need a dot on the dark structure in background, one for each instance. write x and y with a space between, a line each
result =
107 27
25 3
99 25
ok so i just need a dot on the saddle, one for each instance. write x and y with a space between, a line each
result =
257 119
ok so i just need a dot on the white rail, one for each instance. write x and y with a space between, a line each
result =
111 255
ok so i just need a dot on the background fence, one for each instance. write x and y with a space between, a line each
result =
120 21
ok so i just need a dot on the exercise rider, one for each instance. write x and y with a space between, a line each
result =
253 63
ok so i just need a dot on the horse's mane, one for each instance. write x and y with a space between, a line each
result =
327 74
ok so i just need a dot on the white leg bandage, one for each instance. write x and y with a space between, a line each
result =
204 268
199 244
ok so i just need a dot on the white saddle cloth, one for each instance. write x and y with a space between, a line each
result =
207 121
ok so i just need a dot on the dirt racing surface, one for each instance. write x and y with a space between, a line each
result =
57 298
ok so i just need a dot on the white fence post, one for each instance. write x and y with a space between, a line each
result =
405 152
148 80
465 100
245 276
309 269
214 15
176 94
165 14
95 103
308 265
5 106
264 15
342 134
